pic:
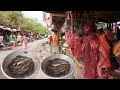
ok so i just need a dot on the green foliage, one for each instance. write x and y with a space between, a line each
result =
15 19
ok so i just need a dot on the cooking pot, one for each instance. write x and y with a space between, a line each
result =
70 74
10 57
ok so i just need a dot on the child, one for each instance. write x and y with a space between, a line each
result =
24 42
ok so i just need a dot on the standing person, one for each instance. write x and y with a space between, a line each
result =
1 38
46 38
19 38
50 40
12 40
55 42
24 42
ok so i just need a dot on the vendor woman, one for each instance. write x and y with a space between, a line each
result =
55 42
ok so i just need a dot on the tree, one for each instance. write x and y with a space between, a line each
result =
15 19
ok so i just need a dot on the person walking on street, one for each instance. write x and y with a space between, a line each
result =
55 43
19 38
1 39
12 40
24 42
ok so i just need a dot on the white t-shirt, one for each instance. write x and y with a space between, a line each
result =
46 39
1 38
19 37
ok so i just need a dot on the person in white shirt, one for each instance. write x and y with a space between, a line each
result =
19 38
1 38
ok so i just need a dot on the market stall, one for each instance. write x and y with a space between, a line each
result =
80 28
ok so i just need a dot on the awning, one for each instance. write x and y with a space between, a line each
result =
9 29
15 30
